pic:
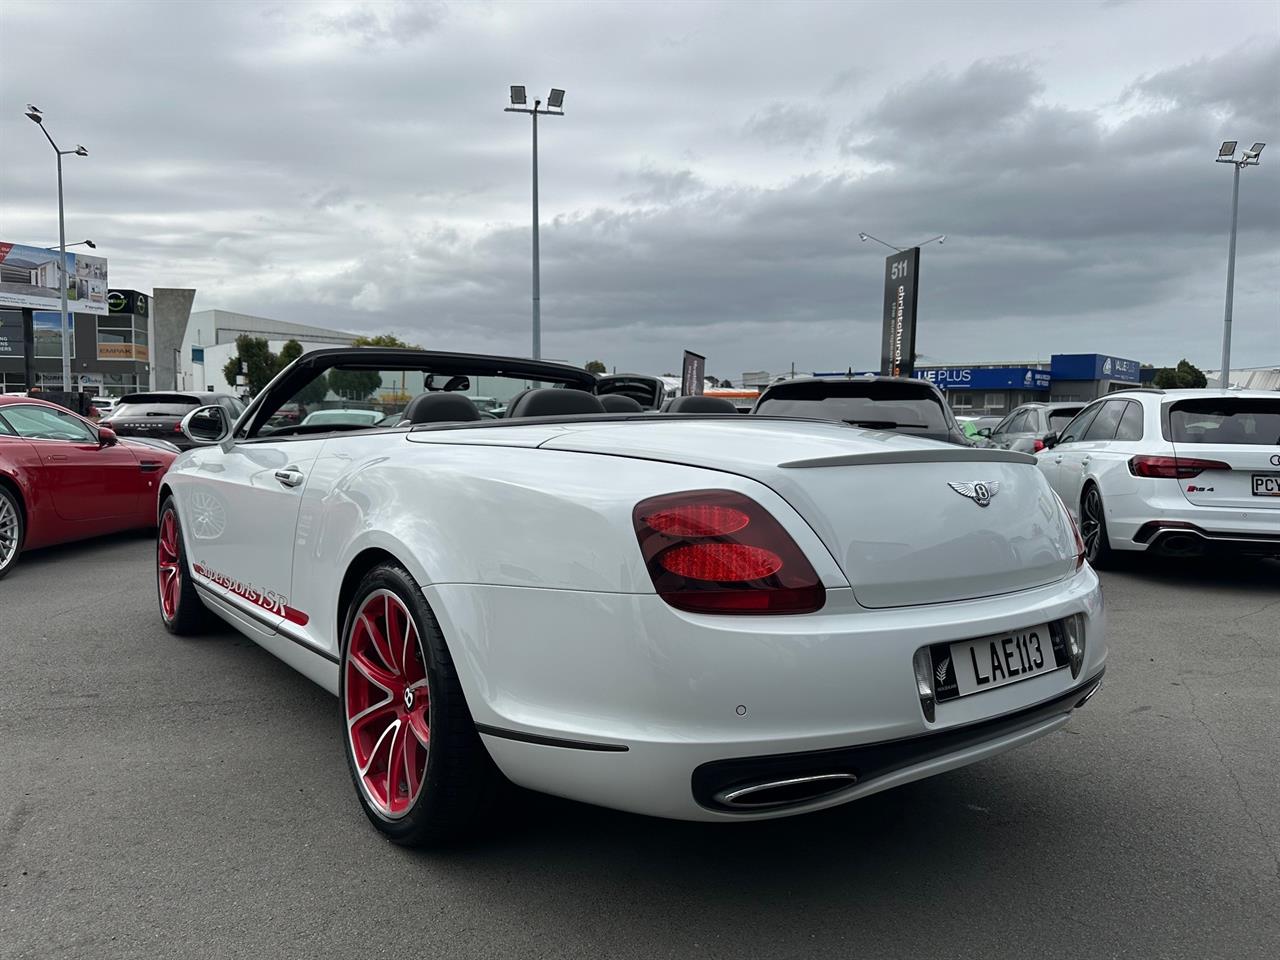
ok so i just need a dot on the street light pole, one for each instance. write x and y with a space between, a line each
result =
537 260
555 102
1249 158
34 113
1225 379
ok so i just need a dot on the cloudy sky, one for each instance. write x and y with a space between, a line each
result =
349 164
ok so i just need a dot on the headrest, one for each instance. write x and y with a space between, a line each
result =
440 408
553 402
617 403
695 404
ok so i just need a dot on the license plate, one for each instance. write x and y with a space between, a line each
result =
972 666
1266 484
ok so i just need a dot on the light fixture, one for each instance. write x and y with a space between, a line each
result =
81 151
518 97
555 100
863 237
1252 152
91 245
1228 148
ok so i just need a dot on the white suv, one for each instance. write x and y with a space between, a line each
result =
1174 472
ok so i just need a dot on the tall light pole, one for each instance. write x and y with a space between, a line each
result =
1248 158
34 113
554 108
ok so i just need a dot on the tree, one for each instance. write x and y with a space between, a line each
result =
354 384
255 353
726 384
596 366
383 340
1185 374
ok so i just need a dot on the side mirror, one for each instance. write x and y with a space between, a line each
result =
1050 440
984 432
206 425
107 437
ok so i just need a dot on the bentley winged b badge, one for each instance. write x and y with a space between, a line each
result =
980 493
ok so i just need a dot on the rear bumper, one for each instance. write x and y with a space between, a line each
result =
617 699
1159 519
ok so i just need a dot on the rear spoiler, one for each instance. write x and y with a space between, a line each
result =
955 455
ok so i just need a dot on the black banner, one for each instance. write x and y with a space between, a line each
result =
693 374
127 301
898 342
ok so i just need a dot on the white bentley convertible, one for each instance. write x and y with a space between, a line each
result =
694 615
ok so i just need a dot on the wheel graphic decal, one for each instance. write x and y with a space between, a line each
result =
387 704
168 568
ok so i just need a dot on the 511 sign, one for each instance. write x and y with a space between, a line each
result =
898 336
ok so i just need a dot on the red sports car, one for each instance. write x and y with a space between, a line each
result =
63 478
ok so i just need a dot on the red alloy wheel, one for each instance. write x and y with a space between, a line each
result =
387 704
168 565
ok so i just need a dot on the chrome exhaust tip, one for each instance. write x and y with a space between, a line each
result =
784 793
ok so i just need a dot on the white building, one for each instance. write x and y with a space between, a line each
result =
210 342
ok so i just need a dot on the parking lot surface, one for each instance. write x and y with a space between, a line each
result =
164 797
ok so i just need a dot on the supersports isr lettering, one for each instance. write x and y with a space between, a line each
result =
269 600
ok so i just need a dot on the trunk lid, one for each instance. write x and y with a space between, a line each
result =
1240 432
906 519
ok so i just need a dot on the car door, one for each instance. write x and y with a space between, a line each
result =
86 480
239 516
1078 461
1005 432
1052 461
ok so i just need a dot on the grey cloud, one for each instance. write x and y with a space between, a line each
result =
787 124
973 102
660 186
1244 84
401 23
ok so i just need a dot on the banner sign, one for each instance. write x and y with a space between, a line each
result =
898 338
693 374
31 277
127 301
117 351
10 334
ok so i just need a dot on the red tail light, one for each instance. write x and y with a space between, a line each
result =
177 427
717 551
1172 468
1037 446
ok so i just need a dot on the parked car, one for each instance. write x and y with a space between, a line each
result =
159 414
104 405
1026 426
1176 472
62 478
900 404
703 617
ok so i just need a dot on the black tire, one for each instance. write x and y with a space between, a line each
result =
13 529
190 616
459 783
1093 528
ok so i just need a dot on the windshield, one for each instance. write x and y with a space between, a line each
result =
1245 420
350 397
877 405
153 405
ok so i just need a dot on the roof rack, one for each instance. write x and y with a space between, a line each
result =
1138 390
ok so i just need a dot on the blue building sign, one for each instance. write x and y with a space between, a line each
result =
1093 366
975 378
987 378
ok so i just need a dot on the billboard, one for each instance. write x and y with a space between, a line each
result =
31 276
692 374
898 338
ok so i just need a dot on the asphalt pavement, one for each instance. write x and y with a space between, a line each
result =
165 797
